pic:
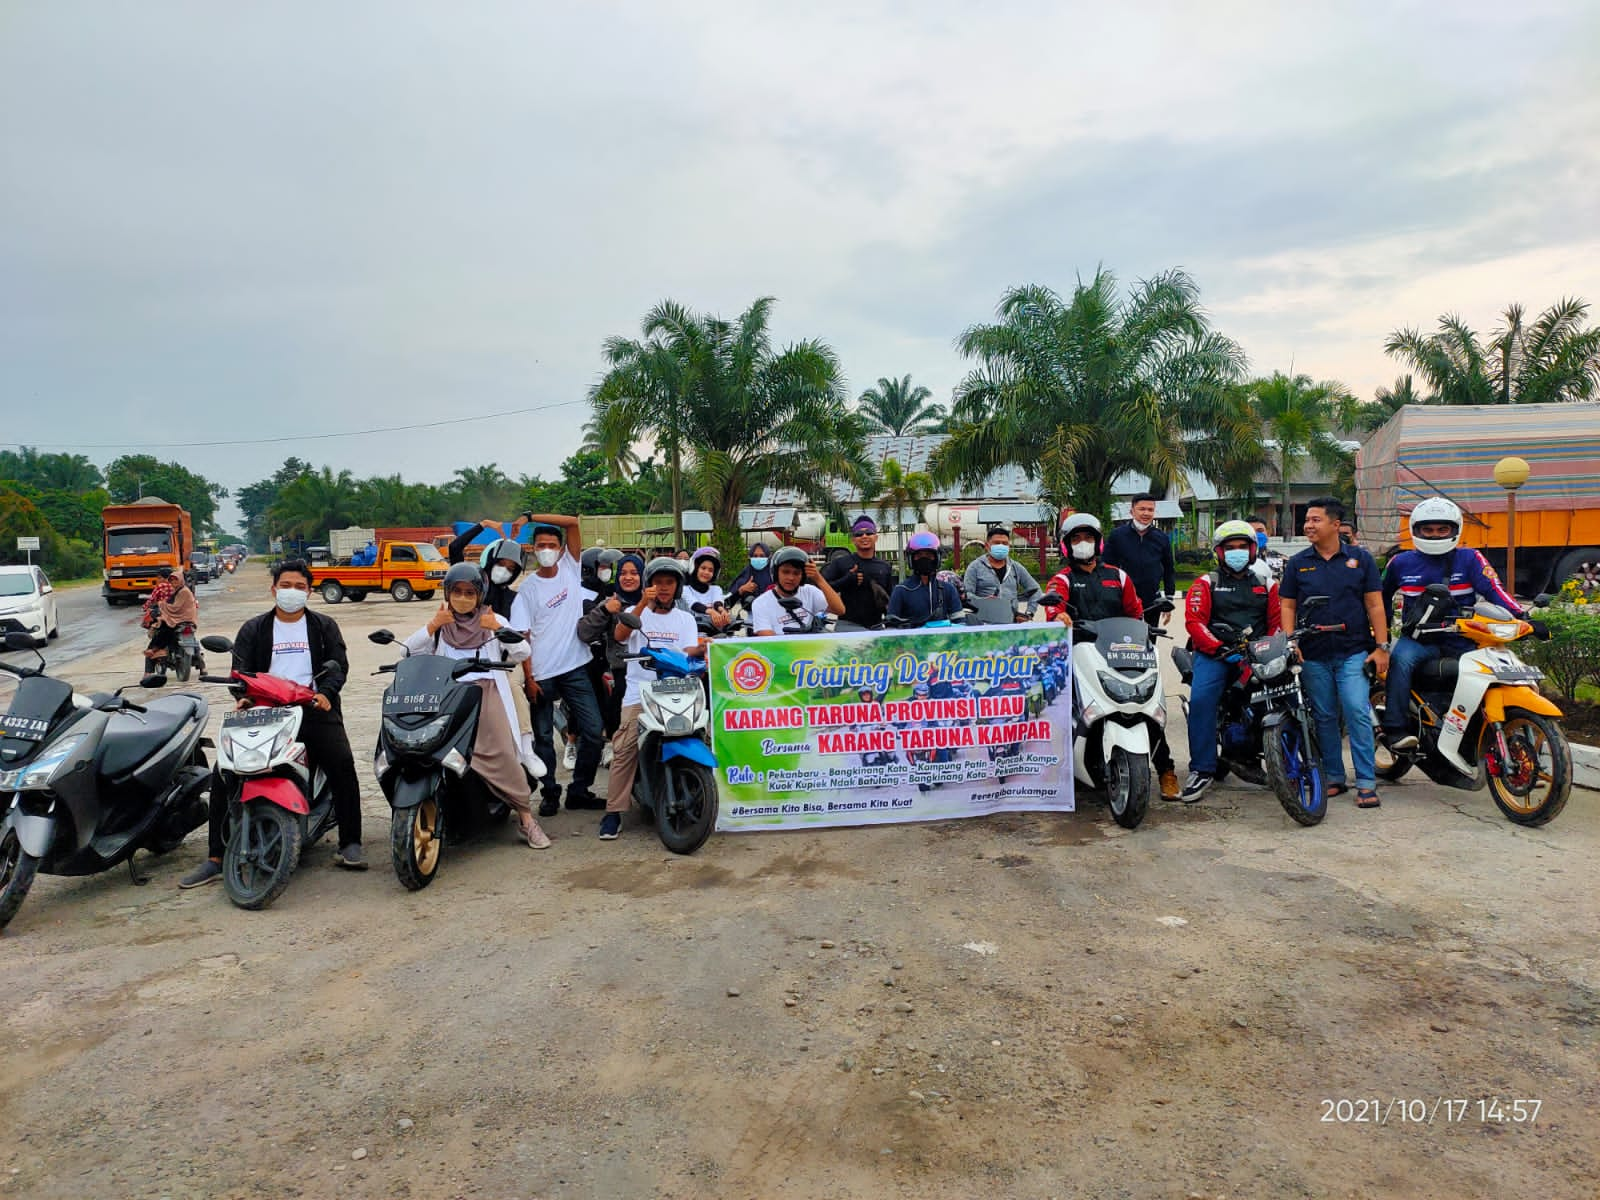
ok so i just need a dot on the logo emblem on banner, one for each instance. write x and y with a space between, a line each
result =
749 673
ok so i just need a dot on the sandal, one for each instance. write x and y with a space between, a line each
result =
535 835
1367 798
1337 789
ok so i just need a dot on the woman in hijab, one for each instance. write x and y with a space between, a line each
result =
626 591
465 627
171 606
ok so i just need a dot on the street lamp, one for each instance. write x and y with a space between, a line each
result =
1511 473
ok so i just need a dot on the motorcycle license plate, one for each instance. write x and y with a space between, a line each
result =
27 729
669 686
399 705
1124 656
252 717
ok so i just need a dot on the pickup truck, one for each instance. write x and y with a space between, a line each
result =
403 569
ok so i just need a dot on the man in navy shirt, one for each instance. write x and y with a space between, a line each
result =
1145 555
1334 676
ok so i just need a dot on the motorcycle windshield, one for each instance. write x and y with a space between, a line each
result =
1124 642
420 685
39 703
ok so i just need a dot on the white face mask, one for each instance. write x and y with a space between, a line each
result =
547 557
1141 526
1083 551
603 574
500 574
291 600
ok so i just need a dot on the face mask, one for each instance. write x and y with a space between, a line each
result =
291 600
758 564
1083 551
925 565
547 557
1237 560
1261 541
500 574
463 604
1000 551
603 574
1141 526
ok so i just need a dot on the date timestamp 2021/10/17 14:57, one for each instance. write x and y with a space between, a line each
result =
1430 1110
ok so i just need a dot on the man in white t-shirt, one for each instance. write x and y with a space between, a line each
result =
547 609
794 577
657 622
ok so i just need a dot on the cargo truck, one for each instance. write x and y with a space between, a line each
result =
1451 451
142 542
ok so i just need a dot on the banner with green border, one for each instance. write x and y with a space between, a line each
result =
871 728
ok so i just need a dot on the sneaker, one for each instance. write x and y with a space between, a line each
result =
569 756
610 826
550 804
1402 741
581 800
349 857
206 872
1169 785
1198 783
535 835
605 755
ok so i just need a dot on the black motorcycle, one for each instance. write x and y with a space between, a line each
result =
424 757
89 781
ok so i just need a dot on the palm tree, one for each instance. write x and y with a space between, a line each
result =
894 406
315 503
714 392
897 490
1298 417
1078 392
1554 359
485 489
621 462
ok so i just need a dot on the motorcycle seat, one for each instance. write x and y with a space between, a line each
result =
132 737
1445 670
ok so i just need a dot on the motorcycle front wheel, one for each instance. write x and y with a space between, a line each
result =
1295 776
684 827
1128 787
415 843
1532 787
17 871
261 855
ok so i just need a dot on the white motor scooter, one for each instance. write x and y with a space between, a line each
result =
1118 710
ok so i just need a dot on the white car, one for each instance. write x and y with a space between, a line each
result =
28 602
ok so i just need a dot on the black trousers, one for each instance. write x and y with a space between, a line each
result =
326 747
1161 753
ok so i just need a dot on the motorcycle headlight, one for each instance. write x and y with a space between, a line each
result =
1273 667
41 770
423 737
676 710
1127 691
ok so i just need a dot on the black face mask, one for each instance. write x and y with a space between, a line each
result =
925 564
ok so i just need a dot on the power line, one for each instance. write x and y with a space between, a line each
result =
297 437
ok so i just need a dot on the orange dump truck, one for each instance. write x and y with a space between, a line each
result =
1451 451
143 541
403 569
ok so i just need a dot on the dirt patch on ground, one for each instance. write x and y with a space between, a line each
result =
1581 720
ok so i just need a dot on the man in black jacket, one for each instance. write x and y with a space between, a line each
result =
1145 553
294 643
863 580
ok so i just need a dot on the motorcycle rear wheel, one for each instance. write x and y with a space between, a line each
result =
17 871
1533 788
415 843
1128 787
686 830
274 837
1296 779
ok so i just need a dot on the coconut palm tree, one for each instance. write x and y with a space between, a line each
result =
1076 392
897 490
621 462
730 413
894 406
315 503
1298 419
1553 359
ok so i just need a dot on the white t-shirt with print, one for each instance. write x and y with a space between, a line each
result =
549 609
768 616
711 596
671 630
291 650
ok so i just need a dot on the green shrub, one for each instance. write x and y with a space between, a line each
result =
1572 655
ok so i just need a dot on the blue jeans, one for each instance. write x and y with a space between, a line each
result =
1409 654
583 714
1333 684
1211 677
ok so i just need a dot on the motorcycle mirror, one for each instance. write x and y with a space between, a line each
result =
509 637
789 603
380 637
1314 601
1542 600
153 681
1050 600
22 641
216 643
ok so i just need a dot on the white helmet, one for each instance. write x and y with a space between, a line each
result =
1436 508
1072 525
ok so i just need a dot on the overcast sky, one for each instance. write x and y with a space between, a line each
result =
226 221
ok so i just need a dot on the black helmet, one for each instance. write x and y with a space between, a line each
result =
671 566
590 559
464 572
791 555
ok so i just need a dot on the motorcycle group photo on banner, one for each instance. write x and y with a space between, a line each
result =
879 727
